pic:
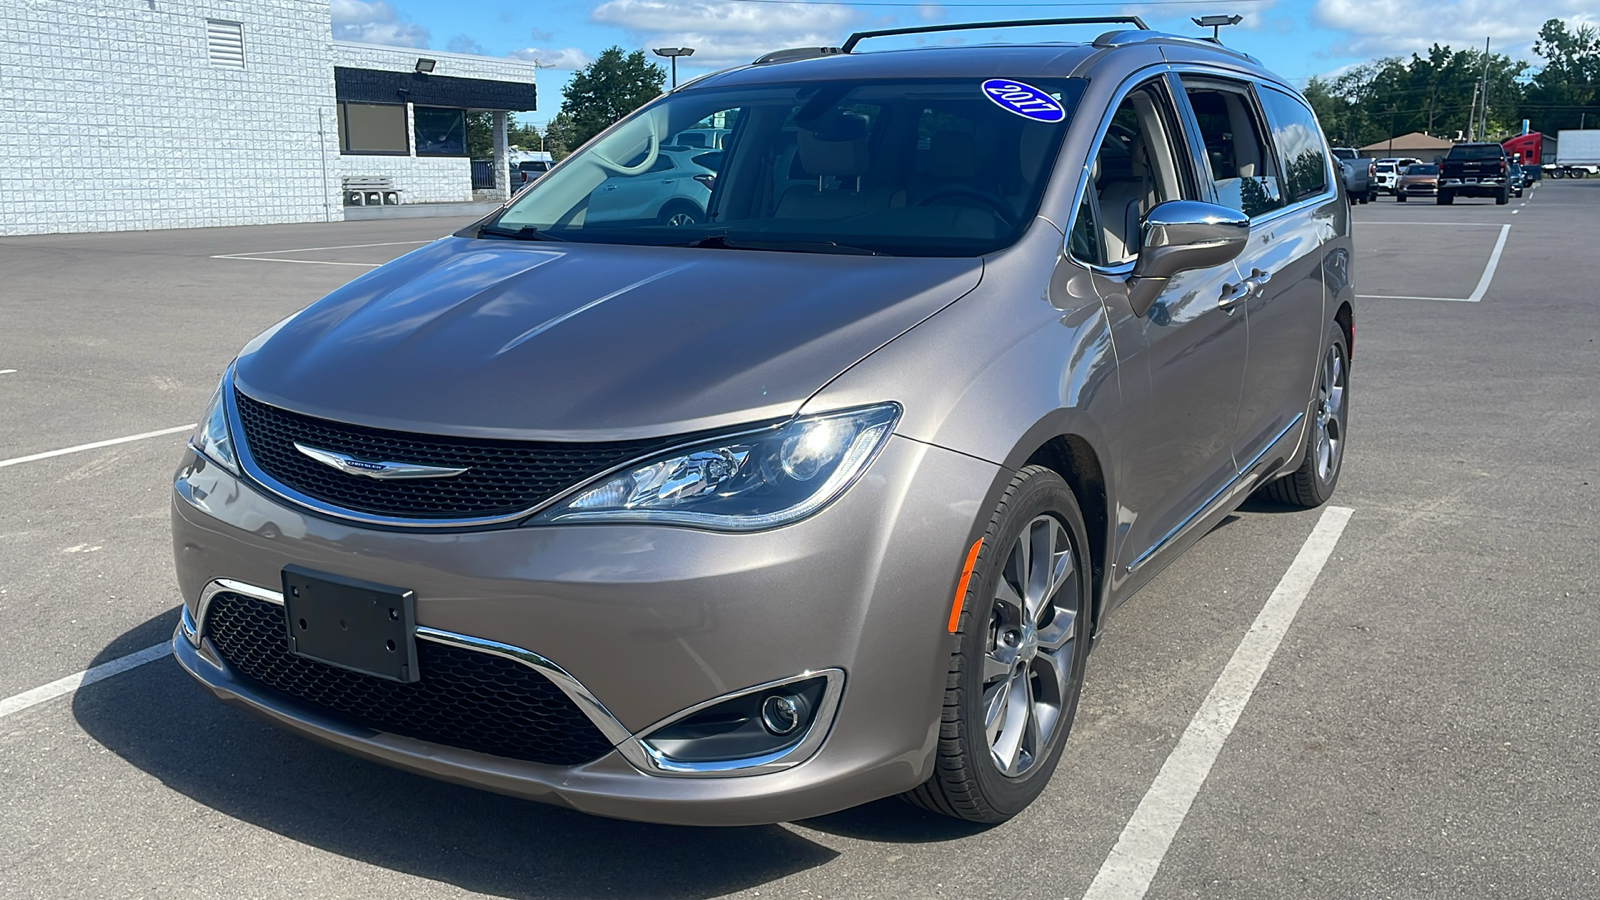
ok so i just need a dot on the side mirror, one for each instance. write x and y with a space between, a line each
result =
1180 235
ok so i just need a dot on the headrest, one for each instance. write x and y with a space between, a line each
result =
954 154
835 144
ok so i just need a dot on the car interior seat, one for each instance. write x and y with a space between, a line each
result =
835 152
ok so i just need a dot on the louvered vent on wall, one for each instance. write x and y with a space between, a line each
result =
225 43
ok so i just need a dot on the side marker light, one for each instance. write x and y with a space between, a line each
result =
961 586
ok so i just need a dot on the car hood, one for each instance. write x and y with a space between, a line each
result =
583 341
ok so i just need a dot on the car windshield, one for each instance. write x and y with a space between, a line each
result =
1477 152
1385 167
925 167
1422 170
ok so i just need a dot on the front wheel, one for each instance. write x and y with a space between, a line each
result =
1399 198
1312 484
1017 669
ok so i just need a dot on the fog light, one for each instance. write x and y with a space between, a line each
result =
780 714
750 725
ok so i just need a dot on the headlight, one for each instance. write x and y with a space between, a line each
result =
212 439
744 482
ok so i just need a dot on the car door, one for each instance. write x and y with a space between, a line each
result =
1281 266
631 198
1181 364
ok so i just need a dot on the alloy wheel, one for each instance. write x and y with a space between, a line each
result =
1330 414
1027 667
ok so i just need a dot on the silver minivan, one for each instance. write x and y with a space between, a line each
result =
818 498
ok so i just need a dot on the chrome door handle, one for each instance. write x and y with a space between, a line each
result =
1232 294
1258 281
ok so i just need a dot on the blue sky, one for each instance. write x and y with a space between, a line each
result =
1296 38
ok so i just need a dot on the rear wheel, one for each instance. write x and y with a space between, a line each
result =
680 214
1399 198
1014 679
1312 484
1504 197
1445 198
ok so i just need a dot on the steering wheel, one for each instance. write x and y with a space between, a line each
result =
649 158
995 204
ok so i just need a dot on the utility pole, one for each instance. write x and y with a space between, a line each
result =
1484 133
1472 114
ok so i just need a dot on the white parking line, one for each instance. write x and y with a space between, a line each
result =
71 683
8 371
1128 870
300 262
1483 282
266 255
94 446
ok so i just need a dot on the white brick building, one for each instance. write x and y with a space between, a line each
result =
137 114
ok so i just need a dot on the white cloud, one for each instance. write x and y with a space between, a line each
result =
375 22
1397 27
564 58
725 34
462 43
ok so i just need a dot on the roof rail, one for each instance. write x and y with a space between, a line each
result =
858 37
790 55
1123 38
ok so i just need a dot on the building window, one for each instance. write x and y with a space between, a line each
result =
440 132
225 43
374 129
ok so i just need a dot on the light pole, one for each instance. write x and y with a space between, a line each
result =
1215 23
673 53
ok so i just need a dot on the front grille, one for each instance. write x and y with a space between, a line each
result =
465 699
505 477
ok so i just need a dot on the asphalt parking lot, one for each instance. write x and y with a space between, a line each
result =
1428 726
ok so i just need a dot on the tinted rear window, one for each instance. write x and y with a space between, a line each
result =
1478 151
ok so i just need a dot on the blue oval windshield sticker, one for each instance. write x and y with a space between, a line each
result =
1023 99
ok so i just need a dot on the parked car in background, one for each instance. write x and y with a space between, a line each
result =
1475 170
1387 171
526 172
822 499
673 190
1357 171
1418 180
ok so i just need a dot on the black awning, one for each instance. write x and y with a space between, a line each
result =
374 86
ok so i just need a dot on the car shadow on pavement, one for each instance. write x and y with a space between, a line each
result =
160 721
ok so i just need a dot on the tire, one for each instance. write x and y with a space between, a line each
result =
1502 198
1578 173
1371 196
1445 198
1313 483
968 781
680 214
1399 198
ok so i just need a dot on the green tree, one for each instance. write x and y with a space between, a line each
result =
480 135
560 136
1433 94
1564 92
609 88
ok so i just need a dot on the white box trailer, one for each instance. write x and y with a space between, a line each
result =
1577 154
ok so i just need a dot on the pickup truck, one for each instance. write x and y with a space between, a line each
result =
1475 170
1358 172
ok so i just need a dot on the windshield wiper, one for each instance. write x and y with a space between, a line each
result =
525 233
721 242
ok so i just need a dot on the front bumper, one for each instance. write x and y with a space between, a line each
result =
647 621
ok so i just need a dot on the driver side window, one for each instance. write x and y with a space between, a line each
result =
1137 166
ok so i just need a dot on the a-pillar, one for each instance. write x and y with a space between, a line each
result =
502 156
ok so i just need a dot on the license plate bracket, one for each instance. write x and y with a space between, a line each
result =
353 624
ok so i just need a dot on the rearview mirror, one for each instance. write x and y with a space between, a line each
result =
1180 235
